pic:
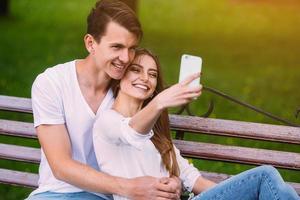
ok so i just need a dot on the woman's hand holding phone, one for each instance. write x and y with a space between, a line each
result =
179 94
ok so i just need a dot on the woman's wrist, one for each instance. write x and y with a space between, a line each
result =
156 104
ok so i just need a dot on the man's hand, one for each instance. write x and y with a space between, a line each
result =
150 188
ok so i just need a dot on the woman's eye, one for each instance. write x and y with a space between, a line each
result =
133 69
153 75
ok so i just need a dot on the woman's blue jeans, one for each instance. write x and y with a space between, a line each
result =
260 183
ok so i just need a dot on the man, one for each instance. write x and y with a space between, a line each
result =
66 100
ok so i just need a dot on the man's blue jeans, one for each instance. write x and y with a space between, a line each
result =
65 196
260 183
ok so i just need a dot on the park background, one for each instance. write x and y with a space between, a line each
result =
250 50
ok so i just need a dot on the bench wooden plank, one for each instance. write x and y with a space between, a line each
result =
18 104
230 128
240 129
244 155
190 149
20 153
18 178
16 128
27 179
194 124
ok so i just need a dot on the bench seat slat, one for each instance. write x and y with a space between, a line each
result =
16 128
18 178
20 153
236 129
244 155
18 104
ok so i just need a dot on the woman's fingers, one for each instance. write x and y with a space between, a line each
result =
190 78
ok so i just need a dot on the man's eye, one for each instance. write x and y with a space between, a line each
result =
133 49
116 47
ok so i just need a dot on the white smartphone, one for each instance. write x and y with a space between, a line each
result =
190 65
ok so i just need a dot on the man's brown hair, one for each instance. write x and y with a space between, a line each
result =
106 11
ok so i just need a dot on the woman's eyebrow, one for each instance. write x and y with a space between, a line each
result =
140 66
152 69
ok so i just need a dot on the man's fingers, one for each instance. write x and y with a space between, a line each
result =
167 195
164 180
190 78
165 188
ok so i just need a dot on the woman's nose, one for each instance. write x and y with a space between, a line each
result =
144 76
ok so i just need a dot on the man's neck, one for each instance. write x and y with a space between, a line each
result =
93 83
90 77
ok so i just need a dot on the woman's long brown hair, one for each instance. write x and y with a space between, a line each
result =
162 137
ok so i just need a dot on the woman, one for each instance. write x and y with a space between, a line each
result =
123 151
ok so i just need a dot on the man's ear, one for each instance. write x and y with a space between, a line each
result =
89 43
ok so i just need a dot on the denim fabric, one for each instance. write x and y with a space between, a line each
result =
65 196
260 183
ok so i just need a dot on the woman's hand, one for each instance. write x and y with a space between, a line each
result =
178 94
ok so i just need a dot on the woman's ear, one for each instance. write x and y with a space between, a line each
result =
89 43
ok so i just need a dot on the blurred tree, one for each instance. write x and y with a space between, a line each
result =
132 4
4 7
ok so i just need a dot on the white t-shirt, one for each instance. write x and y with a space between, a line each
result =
57 99
123 152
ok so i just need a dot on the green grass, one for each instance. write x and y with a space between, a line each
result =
250 51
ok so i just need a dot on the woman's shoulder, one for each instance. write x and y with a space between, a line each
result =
110 113
108 116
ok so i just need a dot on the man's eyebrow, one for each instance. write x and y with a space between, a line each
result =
134 46
117 44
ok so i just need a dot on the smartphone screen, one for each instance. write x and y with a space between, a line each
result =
190 65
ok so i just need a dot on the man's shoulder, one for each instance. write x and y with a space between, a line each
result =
58 69
55 74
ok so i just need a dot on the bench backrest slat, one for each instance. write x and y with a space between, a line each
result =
245 155
20 153
190 149
18 104
16 128
240 129
19 178
230 128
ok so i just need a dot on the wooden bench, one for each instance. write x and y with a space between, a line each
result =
180 124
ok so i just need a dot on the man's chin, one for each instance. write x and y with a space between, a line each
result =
117 76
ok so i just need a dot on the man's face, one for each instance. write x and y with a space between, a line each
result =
115 51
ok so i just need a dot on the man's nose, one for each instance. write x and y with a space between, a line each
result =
124 57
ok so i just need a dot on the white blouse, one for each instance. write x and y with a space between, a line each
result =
123 152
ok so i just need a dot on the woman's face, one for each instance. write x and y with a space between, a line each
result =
140 79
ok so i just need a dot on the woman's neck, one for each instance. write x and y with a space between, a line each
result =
127 105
